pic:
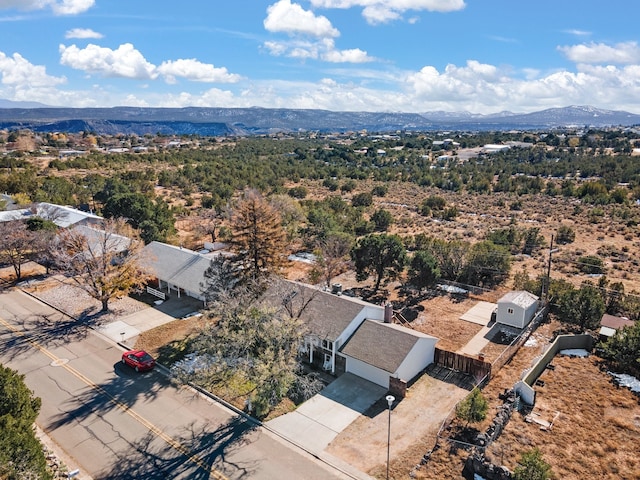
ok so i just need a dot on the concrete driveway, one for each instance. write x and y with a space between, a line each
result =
315 423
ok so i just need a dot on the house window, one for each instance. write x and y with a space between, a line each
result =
510 311
327 344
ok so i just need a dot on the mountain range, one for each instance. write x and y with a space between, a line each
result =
206 121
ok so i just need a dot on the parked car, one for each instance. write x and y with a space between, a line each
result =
139 360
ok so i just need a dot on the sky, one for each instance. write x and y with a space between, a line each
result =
480 56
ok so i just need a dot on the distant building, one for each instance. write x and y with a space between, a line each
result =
494 148
610 324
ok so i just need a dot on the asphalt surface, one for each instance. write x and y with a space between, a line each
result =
118 424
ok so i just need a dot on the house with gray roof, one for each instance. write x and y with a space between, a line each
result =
62 216
329 319
177 269
346 334
378 351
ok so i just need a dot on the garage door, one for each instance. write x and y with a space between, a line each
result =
368 372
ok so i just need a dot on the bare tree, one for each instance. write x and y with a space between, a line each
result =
16 245
105 262
333 256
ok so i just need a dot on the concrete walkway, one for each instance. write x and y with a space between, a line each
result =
315 423
128 327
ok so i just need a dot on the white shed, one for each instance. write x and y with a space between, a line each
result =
517 309
377 351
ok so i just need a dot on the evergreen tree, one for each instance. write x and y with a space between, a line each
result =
21 454
532 467
473 409
381 255
258 237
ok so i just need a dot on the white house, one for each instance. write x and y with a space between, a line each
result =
330 320
177 269
517 309
346 334
378 350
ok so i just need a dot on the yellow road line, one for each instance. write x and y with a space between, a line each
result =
144 422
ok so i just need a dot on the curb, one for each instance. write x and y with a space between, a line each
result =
167 373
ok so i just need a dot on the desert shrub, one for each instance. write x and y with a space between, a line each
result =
591 265
348 186
566 235
331 184
364 199
434 202
380 190
298 192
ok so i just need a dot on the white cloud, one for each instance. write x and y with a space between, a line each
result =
578 33
60 7
383 11
16 71
291 18
82 33
126 61
621 53
321 50
20 80
71 7
196 71
354 55
474 87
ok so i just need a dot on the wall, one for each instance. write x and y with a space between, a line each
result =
524 388
420 356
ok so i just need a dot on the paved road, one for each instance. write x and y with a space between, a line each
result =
121 425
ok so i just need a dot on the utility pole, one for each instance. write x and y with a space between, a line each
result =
547 280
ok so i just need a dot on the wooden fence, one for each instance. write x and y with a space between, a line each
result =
476 367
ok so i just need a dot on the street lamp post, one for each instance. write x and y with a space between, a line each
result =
390 400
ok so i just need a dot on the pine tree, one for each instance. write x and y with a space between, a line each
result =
258 237
532 467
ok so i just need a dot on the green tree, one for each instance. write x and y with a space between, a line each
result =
583 307
532 240
21 454
487 263
623 349
473 408
532 466
381 255
423 270
259 239
382 219
154 219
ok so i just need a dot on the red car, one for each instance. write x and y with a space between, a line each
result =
139 360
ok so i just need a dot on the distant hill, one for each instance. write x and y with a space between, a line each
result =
258 121
12 104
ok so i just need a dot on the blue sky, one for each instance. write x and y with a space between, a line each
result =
481 56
